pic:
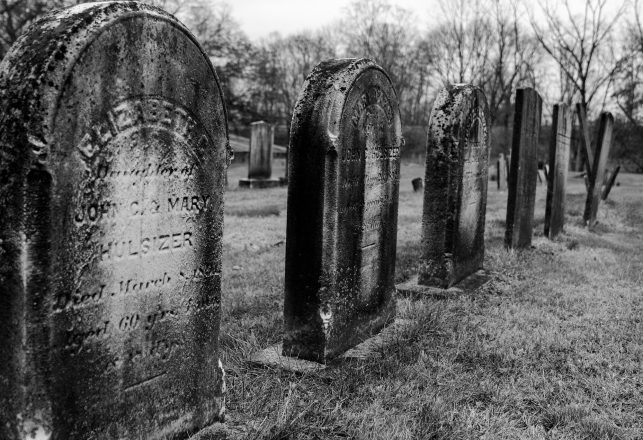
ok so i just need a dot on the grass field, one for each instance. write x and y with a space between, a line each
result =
551 348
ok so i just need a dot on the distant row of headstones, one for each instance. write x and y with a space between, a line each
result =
113 150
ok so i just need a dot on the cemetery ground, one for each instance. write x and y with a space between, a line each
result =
550 348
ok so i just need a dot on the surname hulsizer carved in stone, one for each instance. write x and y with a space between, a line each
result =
111 237
342 209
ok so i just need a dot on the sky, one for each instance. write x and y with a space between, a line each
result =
258 18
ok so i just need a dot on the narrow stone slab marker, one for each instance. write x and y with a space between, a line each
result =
558 166
610 183
260 157
597 175
342 209
455 194
523 171
114 148
501 172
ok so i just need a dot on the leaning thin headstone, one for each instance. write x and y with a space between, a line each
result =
113 146
501 168
523 172
342 209
260 157
585 153
610 183
558 165
455 195
603 143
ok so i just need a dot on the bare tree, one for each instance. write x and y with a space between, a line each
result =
462 43
580 44
17 15
387 34
514 55
628 94
279 68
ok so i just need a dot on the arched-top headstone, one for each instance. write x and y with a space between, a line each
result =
342 209
112 161
455 191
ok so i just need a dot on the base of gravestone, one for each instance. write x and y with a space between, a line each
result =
411 288
219 431
259 183
271 357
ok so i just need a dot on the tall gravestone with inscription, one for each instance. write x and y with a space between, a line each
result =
523 171
113 148
342 209
455 194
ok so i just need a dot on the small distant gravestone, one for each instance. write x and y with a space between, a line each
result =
342 209
113 145
418 184
558 165
260 157
523 172
594 190
455 195
501 172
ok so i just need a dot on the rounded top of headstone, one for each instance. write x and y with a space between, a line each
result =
330 90
36 71
458 106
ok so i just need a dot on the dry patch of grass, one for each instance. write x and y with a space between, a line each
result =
551 348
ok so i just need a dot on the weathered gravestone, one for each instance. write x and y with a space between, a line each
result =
523 171
260 157
455 194
112 162
597 175
342 209
501 174
561 133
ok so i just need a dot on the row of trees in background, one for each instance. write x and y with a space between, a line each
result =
593 56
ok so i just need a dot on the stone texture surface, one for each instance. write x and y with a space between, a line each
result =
342 209
113 148
261 140
455 190
558 166
523 171
603 144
